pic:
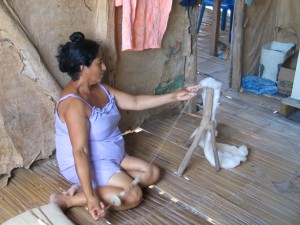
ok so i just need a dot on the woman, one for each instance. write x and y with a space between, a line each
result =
89 145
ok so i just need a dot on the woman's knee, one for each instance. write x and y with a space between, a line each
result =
134 196
155 174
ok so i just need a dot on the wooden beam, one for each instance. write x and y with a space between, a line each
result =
237 44
215 27
289 106
191 59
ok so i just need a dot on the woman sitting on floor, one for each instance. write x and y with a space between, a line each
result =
89 145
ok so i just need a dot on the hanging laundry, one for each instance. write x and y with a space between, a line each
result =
144 23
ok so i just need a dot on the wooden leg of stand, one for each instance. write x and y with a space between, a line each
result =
204 126
190 152
214 146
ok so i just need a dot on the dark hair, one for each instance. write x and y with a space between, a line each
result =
79 51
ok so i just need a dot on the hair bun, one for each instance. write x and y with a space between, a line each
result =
77 36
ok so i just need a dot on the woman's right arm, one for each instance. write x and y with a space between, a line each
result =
77 121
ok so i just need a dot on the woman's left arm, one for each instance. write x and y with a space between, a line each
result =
141 102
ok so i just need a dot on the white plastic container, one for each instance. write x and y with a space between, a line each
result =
273 54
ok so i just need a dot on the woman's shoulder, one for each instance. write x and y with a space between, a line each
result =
71 93
106 86
70 99
71 104
68 90
110 89
73 100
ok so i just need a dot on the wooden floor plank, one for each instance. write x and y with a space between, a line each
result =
28 189
203 173
278 204
8 205
272 169
263 189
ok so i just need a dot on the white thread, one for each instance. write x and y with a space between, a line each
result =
116 201
41 222
137 179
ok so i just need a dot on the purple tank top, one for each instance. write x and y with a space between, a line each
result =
105 142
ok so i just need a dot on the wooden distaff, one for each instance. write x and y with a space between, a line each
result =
207 124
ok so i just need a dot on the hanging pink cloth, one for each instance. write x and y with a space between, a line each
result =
144 23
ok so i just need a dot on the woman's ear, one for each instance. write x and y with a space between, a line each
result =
82 68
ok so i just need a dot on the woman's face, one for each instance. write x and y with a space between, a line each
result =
97 69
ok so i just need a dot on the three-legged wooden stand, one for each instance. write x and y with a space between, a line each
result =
207 124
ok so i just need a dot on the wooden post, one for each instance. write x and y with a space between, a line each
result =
205 125
191 60
215 28
237 44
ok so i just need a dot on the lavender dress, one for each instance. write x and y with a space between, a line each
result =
106 143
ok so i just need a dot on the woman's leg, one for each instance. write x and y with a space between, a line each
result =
122 181
72 190
117 183
147 173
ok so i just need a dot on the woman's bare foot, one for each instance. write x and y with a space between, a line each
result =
72 190
60 200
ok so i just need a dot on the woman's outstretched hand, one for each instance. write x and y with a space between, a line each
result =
188 92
